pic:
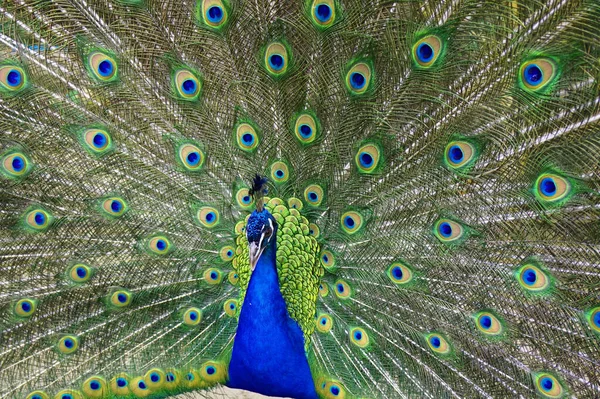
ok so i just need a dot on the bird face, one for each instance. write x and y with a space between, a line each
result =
260 231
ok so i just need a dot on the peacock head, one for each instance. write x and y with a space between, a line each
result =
261 232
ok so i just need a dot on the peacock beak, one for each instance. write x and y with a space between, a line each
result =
256 250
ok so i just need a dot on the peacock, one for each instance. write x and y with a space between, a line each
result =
328 199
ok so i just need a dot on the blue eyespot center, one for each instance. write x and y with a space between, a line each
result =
305 131
99 140
366 160
105 68
245 200
116 206
529 276
335 390
533 74
193 158
279 173
95 385
189 86
81 272
67 397
193 316
154 377
36 397
456 154
214 14
230 253
26 306
232 306
122 298
323 12
323 321
121 382
340 288
424 52
349 222
210 216
397 273
276 62
210 370
357 80
189 377
39 218
170 377
213 275
69 343
13 78
435 342
18 164
596 319
313 196
548 186
325 258
445 229
485 322
357 335
161 245
247 138
142 385
546 384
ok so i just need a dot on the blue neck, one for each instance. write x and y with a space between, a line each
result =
268 351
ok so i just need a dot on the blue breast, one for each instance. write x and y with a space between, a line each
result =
268 351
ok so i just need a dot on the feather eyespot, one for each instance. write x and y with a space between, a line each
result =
192 317
114 207
208 216
38 220
233 277
244 199
214 14
119 384
95 387
306 127
327 260
351 222
12 78
323 289
459 155
488 324
314 230
280 172
187 86
226 253
552 189
359 78
191 157
246 136
342 289
230 307
37 395
68 344
314 195
68 394
139 387
538 74
399 274
155 378
324 323
97 141
295 203
548 385
120 298
533 279
213 276
213 372
277 59
25 307
438 344
80 273
427 51
368 158
448 231
593 319
359 337
103 67
15 165
323 13
159 245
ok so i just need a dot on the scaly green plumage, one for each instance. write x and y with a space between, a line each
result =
433 170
